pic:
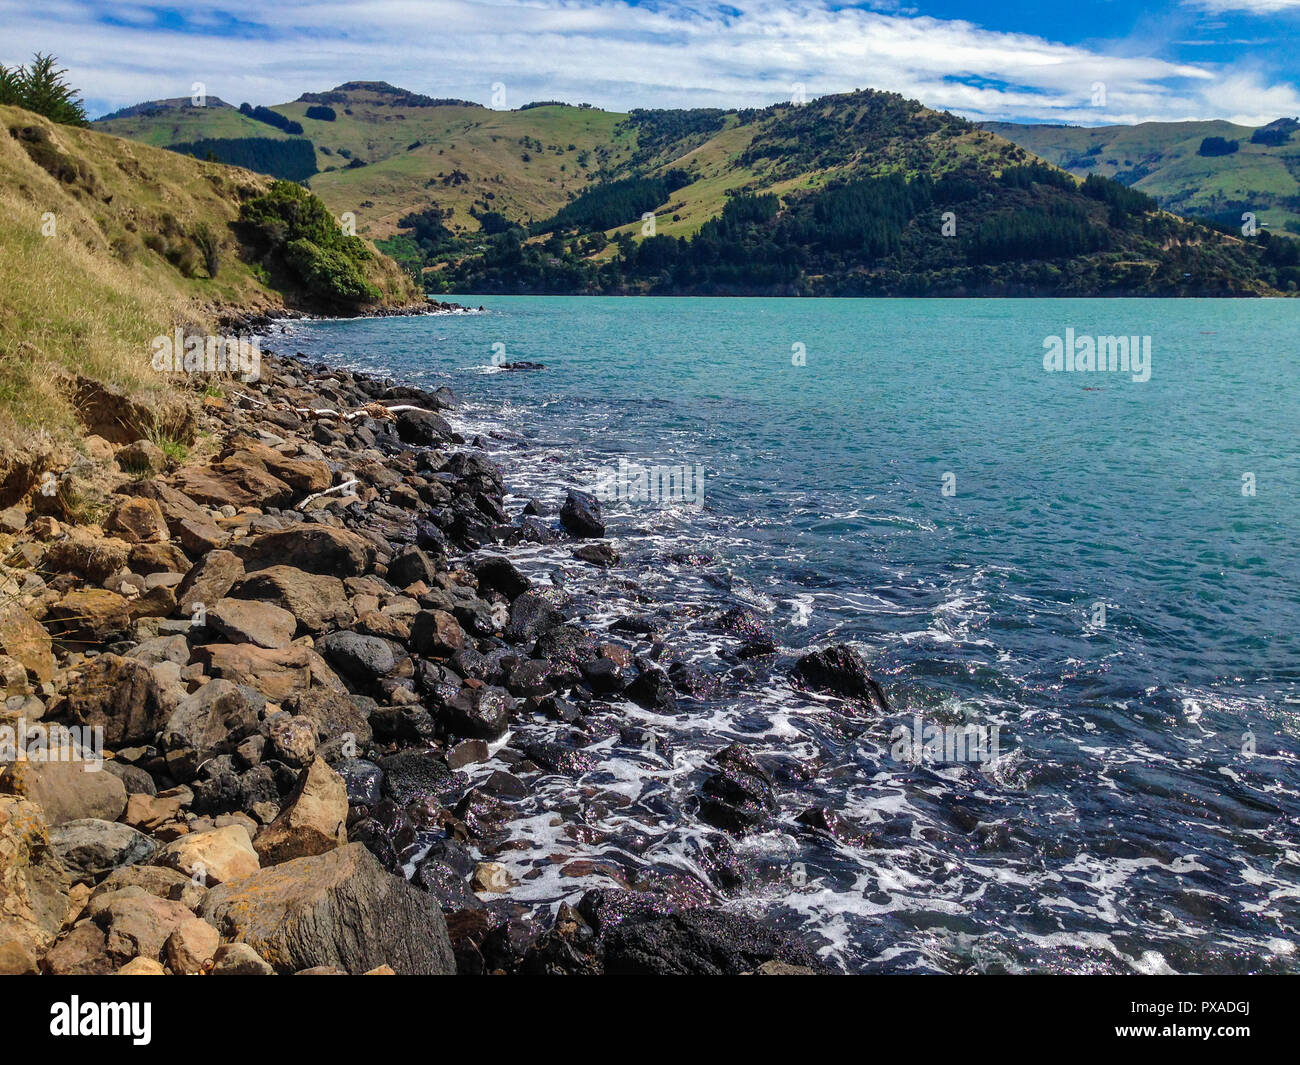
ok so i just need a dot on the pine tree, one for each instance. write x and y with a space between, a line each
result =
41 88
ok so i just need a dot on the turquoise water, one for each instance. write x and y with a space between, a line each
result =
1122 827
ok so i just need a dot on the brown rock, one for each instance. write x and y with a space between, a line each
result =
314 548
211 858
142 967
82 952
312 821
137 521
249 621
317 600
341 909
232 483
66 791
86 552
24 639
158 558
141 456
437 634
89 616
33 885
291 740
210 580
199 536
191 946
277 674
137 924
239 959
120 695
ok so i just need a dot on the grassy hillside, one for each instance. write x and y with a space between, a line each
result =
110 243
521 200
1163 160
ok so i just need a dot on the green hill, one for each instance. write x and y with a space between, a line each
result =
847 194
110 243
1164 159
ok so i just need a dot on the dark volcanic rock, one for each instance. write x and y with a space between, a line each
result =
697 943
411 776
422 427
581 516
359 658
362 780
498 574
530 617
841 670
558 758
738 797
654 691
478 713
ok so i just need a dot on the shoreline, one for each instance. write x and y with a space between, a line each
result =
293 658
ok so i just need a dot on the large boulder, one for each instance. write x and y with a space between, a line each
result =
250 621
313 819
581 516
89 616
317 600
234 484
339 909
119 695
436 634
89 847
84 551
137 521
364 659
422 427
211 858
213 720
66 791
33 885
314 548
25 640
277 674
840 669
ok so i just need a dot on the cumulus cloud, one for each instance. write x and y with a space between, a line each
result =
619 55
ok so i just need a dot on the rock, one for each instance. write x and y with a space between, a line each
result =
340 719
244 621
16 959
82 551
340 909
25 639
596 554
191 946
141 456
739 797
66 791
209 580
89 847
559 758
277 674
467 752
291 740
841 670
239 959
314 548
312 820
436 634
211 858
581 515
410 567
33 884
119 695
89 616
493 878
234 484
422 427
413 776
362 780
142 967
159 558
318 601
498 574
445 884
137 924
165 883
696 943
137 521
82 952
364 659
654 691
531 615
150 812
478 713
13 520
213 720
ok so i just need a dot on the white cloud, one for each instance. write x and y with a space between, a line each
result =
1250 7
617 55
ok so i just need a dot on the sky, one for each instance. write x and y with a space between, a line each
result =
1086 62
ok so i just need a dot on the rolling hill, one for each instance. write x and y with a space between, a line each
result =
1164 159
860 193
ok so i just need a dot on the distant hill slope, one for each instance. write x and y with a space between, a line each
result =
109 243
789 199
1164 160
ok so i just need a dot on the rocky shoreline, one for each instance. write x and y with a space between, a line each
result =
294 648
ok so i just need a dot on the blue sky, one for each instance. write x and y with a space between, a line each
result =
1087 61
